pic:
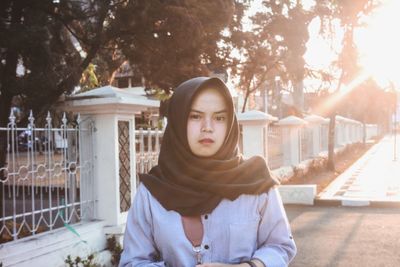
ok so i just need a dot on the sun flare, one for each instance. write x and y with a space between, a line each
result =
379 43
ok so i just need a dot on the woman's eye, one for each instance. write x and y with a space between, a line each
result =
194 116
220 118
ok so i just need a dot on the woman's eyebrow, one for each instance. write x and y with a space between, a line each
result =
216 112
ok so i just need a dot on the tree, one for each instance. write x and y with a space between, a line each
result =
173 40
45 46
89 79
349 13
39 51
274 48
377 105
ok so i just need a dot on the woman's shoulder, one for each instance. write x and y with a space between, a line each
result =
270 192
141 189
145 195
142 192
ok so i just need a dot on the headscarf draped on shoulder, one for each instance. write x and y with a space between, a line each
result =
193 185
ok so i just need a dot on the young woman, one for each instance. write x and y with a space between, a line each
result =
203 204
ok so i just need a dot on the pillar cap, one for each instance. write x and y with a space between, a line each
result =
292 121
316 119
347 120
342 119
254 116
109 99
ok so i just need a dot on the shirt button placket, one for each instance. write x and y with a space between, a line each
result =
206 245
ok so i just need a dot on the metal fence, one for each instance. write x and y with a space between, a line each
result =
46 180
147 148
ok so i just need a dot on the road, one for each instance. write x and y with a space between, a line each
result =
338 231
345 236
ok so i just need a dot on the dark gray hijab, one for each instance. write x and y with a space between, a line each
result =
193 185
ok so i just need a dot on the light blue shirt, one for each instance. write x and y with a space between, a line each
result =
252 226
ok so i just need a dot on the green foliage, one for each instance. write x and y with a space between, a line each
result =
376 107
79 262
275 46
349 14
169 41
54 43
115 248
89 79
45 47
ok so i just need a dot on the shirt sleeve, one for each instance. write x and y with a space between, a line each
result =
276 246
139 249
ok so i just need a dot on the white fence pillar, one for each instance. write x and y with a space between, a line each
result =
337 135
315 124
351 132
255 132
354 131
371 131
346 132
113 112
291 139
360 132
341 131
325 135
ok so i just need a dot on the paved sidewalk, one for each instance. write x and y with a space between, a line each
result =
345 236
374 178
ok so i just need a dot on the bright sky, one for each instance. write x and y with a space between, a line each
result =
320 52
378 43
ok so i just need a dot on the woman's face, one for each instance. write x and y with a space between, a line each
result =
207 123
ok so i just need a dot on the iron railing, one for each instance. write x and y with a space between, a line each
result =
46 180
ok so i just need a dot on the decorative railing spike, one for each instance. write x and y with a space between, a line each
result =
31 118
48 118
45 183
12 116
64 119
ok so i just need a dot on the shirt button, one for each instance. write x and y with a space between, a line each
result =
206 216
206 247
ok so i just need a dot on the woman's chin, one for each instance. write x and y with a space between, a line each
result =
204 153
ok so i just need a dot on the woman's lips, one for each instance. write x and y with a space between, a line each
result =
206 141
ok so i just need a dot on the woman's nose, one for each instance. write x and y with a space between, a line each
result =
207 126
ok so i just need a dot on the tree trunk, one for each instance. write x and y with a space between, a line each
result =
246 97
331 142
245 100
331 132
298 95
